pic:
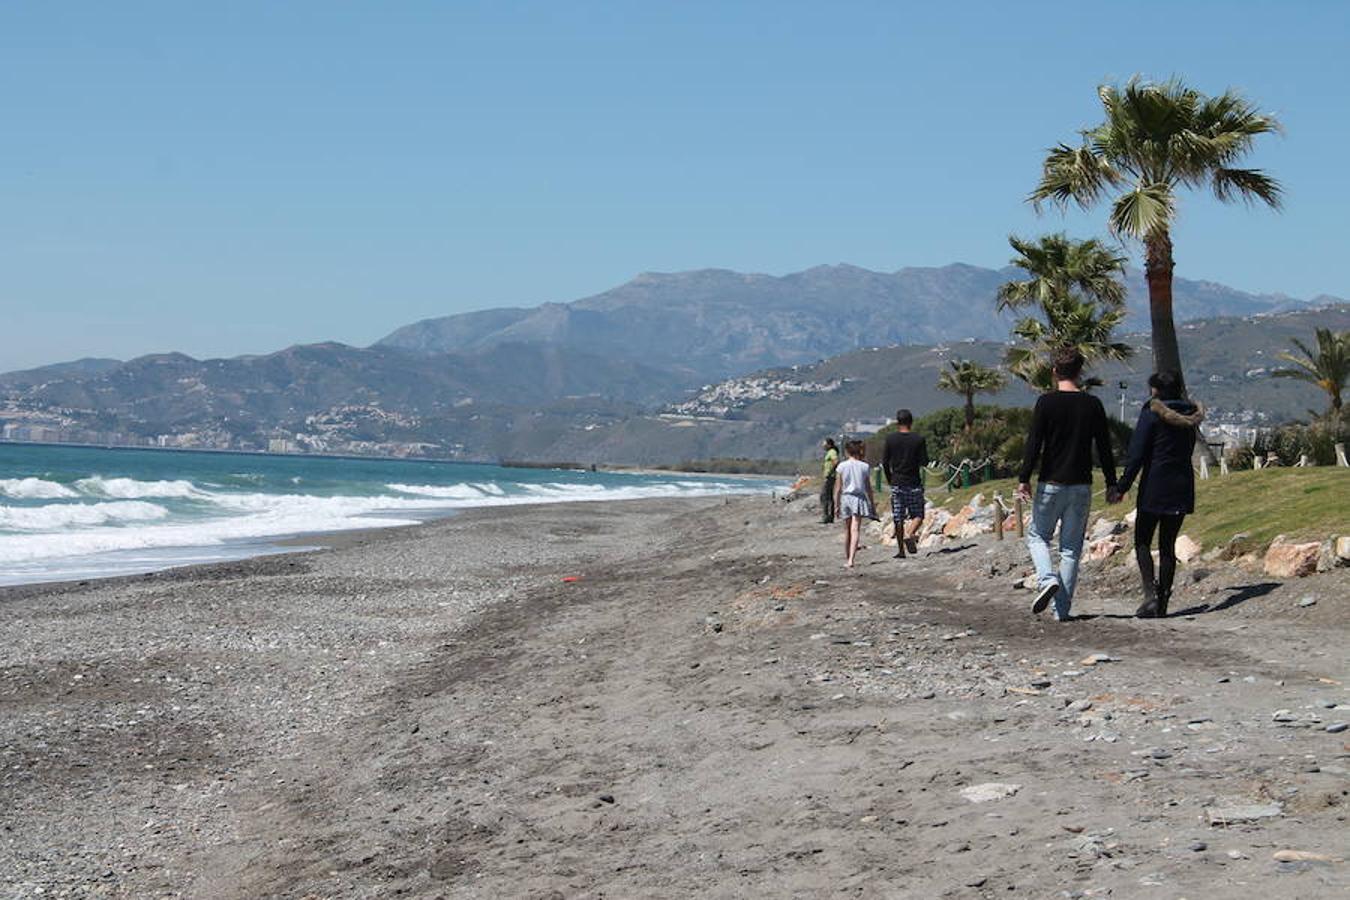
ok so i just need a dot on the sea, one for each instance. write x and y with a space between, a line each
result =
71 513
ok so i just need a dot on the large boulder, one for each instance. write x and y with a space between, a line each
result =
952 527
1289 560
973 529
1187 549
1104 528
1103 548
982 512
936 521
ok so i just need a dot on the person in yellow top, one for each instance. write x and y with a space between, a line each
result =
827 470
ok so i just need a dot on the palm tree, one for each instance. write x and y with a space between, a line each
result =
1156 139
1060 267
969 378
1328 368
1077 289
1075 323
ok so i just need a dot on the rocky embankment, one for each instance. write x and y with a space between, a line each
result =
1203 577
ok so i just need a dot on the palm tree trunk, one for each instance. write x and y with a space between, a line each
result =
970 411
1158 267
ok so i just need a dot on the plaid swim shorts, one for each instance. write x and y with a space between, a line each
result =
906 503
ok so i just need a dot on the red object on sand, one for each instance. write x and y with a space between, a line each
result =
570 578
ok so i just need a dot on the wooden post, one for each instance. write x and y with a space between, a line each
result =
1017 508
999 513
1340 455
1223 465
1256 461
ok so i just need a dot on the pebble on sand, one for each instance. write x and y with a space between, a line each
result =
990 790
1252 812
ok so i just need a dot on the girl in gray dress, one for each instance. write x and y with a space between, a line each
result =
853 500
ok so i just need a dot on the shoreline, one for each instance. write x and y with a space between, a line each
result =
235 550
715 707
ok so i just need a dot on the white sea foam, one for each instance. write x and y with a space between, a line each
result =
468 491
34 489
57 516
71 530
130 488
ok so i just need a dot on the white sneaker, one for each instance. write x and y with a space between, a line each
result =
1043 597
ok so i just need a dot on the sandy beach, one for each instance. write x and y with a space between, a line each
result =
715 708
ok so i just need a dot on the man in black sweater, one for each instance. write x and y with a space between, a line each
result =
905 454
1066 424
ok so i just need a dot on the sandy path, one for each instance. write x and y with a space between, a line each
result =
714 710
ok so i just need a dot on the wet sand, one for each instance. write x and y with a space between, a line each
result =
716 708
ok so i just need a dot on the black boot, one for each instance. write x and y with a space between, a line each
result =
1149 608
1163 598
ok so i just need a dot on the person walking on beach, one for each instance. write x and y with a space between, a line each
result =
905 454
827 476
1160 449
853 497
1065 425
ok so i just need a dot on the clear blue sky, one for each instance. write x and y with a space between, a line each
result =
235 177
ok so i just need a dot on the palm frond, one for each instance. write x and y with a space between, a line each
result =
1247 185
1144 211
1073 175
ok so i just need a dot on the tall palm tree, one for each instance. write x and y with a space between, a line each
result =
1076 287
969 378
1328 368
1156 139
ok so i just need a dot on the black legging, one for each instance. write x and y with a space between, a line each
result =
1144 526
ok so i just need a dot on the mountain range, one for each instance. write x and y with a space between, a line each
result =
712 323
604 378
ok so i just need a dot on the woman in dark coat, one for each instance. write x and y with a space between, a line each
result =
1161 448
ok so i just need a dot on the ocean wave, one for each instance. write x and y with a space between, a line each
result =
35 489
57 516
133 525
286 515
130 488
467 491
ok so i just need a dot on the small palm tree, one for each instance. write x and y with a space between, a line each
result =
1061 267
1076 288
1155 140
969 378
1073 323
1328 368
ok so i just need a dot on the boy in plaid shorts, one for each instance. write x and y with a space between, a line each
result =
906 453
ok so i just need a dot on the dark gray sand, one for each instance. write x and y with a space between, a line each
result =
716 709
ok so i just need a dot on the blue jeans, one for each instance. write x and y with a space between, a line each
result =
1065 505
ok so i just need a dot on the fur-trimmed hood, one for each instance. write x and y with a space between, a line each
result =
1176 417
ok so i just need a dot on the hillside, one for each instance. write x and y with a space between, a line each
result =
616 377
327 396
712 323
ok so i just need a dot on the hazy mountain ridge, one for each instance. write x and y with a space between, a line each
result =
585 380
716 322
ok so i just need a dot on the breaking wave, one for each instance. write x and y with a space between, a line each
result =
34 489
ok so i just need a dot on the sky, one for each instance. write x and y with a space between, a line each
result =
237 177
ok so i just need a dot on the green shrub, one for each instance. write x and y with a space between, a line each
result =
1000 434
1290 442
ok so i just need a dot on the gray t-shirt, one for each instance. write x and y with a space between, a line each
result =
853 475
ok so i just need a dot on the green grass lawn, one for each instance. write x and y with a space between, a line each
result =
1311 503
